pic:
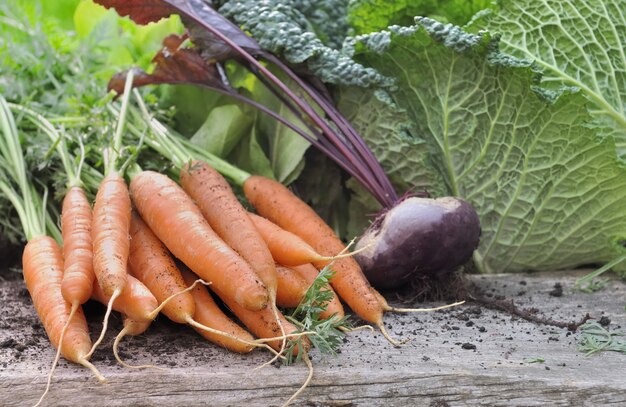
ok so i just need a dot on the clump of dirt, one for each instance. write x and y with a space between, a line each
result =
557 291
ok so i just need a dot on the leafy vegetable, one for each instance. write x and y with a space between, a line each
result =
223 129
550 193
366 16
572 43
281 28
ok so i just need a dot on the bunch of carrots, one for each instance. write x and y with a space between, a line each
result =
144 247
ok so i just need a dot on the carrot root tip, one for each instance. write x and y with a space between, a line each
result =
116 345
282 333
407 310
93 369
394 342
105 323
305 357
358 328
255 343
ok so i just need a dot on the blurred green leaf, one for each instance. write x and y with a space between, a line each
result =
224 127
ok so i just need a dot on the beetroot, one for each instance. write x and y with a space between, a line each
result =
419 236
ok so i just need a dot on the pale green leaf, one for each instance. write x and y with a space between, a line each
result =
286 148
250 156
222 130
366 16
397 144
577 43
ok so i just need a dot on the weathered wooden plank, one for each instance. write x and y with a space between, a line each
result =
432 369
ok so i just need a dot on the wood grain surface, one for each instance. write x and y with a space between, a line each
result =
468 355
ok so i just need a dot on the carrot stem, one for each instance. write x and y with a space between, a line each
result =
110 165
178 150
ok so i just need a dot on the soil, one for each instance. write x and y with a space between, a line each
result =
455 286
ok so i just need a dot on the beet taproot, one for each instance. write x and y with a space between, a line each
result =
419 236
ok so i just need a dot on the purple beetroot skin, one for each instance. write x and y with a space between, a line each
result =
419 236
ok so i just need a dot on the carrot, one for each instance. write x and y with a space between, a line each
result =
78 274
43 271
111 220
131 327
135 300
42 259
209 314
275 202
178 223
261 323
230 220
333 307
111 223
291 287
150 263
287 248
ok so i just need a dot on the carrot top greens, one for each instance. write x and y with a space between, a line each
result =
328 334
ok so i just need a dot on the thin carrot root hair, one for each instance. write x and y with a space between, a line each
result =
116 345
84 362
394 342
282 333
158 309
105 323
394 309
57 357
356 328
286 336
305 357
256 343
344 253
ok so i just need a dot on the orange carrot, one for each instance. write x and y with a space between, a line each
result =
135 301
131 327
276 203
43 269
291 287
209 314
231 222
287 248
111 245
228 218
78 274
333 307
179 224
261 323
151 263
